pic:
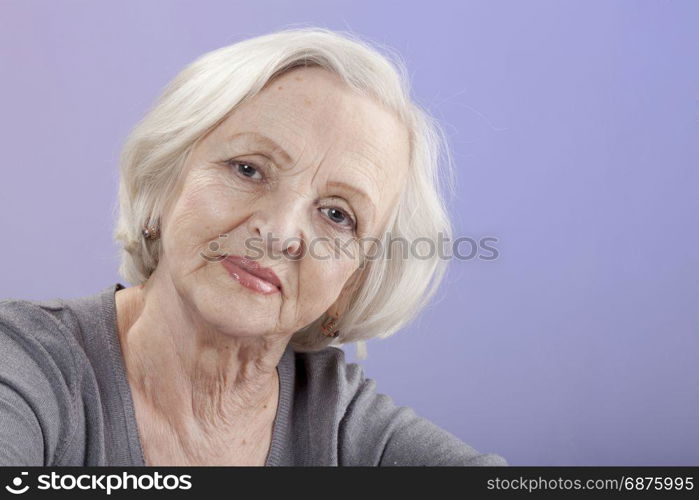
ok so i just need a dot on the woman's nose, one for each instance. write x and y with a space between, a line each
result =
278 227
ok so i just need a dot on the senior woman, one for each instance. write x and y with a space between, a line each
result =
257 164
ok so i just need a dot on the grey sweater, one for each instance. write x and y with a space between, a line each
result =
65 400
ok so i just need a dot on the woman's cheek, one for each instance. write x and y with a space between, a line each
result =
336 273
205 209
332 247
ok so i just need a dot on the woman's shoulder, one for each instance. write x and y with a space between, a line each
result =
327 374
41 328
369 427
67 328
38 325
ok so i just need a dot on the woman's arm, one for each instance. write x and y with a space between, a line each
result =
21 438
34 398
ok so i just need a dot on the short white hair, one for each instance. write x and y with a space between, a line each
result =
391 291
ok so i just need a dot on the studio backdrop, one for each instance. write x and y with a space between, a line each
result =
568 331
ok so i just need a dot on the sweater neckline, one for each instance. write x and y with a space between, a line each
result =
284 371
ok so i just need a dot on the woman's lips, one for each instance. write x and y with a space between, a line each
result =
251 275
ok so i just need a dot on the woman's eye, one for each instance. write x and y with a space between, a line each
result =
246 169
339 216
336 215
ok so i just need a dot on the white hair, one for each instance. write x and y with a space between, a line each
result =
391 291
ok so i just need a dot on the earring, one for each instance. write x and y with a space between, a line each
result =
329 327
151 232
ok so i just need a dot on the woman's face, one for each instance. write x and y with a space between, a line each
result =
292 178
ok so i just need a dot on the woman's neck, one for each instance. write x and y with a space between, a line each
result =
190 381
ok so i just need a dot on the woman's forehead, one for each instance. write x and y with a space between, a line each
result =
320 123
317 112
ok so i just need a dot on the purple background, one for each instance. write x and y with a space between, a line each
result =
574 129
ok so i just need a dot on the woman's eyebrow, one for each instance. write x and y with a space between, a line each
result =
357 191
270 144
